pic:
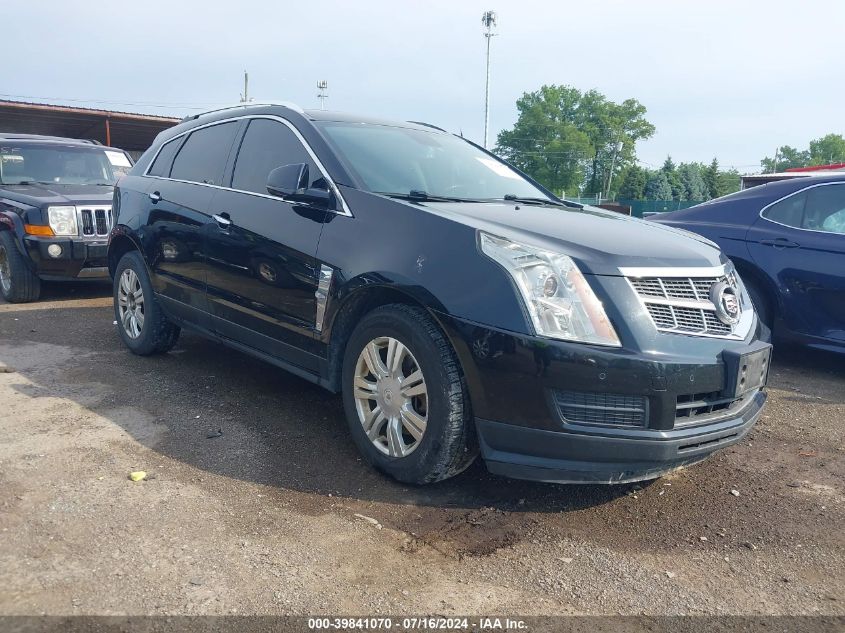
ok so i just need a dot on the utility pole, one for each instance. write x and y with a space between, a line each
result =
323 87
616 151
775 164
245 95
488 20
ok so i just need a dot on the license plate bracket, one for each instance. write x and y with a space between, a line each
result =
748 369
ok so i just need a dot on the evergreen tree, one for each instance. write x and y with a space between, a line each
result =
658 187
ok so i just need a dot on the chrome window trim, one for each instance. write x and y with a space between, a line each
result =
344 207
740 330
795 193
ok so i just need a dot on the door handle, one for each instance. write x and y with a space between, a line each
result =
780 243
222 220
155 196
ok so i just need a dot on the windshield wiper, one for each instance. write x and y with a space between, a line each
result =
542 201
422 196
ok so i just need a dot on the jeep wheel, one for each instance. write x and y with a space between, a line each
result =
141 322
18 283
405 398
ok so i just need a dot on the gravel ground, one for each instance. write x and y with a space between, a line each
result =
277 514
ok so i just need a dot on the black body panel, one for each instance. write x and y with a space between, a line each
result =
279 280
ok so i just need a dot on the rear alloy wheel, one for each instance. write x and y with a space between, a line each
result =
141 323
130 303
405 399
18 284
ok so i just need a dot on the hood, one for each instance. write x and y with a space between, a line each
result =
42 195
599 241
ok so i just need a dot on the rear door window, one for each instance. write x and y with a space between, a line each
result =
203 156
268 144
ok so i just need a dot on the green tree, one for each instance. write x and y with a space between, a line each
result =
827 150
633 183
727 182
692 185
787 158
672 177
570 140
711 178
658 187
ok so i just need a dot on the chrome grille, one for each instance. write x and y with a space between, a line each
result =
94 221
682 304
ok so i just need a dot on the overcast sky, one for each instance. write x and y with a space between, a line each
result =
727 78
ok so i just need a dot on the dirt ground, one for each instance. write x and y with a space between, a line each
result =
278 514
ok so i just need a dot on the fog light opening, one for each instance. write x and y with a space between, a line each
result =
54 250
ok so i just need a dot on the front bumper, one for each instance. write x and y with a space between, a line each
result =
79 259
564 457
673 408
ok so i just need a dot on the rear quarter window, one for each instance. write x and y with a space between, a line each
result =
164 161
789 211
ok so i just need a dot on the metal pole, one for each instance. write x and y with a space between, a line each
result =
487 95
489 21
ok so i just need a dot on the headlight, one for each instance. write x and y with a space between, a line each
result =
62 220
561 303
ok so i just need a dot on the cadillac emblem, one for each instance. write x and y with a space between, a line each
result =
725 297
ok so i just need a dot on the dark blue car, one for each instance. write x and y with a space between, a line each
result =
787 239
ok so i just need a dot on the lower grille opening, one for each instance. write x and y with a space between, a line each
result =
703 443
601 409
700 407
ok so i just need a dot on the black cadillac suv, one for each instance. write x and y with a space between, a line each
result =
458 305
55 210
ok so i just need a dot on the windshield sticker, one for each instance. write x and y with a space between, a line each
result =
118 159
497 167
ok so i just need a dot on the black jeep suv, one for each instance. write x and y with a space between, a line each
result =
55 210
457 304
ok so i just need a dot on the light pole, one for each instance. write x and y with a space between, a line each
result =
488 20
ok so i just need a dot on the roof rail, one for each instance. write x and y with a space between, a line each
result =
427 125
248 104
13 136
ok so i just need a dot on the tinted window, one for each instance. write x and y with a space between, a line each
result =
825 210
162 163
789 211
203 156
399 160
269 144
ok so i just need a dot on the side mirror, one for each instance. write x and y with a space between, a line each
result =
291 183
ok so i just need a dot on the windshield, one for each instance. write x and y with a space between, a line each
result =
398 160
57 165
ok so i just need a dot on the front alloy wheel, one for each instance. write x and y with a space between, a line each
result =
404 395
391 397
130 303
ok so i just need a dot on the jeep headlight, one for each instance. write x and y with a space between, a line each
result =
62 220
560 302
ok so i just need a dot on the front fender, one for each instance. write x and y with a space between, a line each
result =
13 223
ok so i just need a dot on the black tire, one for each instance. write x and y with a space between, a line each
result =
760 302
448 445
19 283
157 333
